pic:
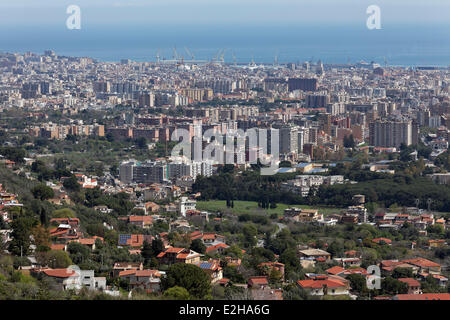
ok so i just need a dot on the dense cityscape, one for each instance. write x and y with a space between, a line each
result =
150 180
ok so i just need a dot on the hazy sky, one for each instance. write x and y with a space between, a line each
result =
17 13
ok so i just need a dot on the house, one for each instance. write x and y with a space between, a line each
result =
73 222
348 262
232 262
134 240
65 278
268 267
424 265
321 285
196 215
178 255
61 199
336 270
186 204
208 238
62 247
5 235
382 241
125 266
266 293
302 215
211 268
440 279
314 254
436 243
257 282
69 278
65 232
149 280
103 209
350 253
144 222
388 266
217 248
425 296
151 207
89 242
413 285
181 225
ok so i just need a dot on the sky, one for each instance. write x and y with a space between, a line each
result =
25 13
411 30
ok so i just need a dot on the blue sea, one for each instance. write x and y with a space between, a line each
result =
400 45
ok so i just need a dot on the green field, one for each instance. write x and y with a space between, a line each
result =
241 207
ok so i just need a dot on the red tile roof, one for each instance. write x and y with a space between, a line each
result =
335 270
59 273
410 282
58 247
320 283
378 240
421 262
425 296
258 280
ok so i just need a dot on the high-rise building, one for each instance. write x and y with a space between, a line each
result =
143 172
317 100
389 134
288 140
303 84
146 99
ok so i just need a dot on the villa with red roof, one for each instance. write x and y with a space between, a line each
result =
325 285
413 285
178 255
147 279
382 241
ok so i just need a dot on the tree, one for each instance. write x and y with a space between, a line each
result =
79 253
141 142
393 286
402 273
358 284
147 251
54 259
41 236
72 184
157 246
42 192
198 246
349 141
176 293
285 164
190 277
250 231
430 285
43 217
21 242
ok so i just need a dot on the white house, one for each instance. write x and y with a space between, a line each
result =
185 204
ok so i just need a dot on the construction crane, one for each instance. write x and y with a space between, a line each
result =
234 58
214 59
158 56
221 58
175 54
189 53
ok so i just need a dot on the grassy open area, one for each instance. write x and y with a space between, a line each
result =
241 207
